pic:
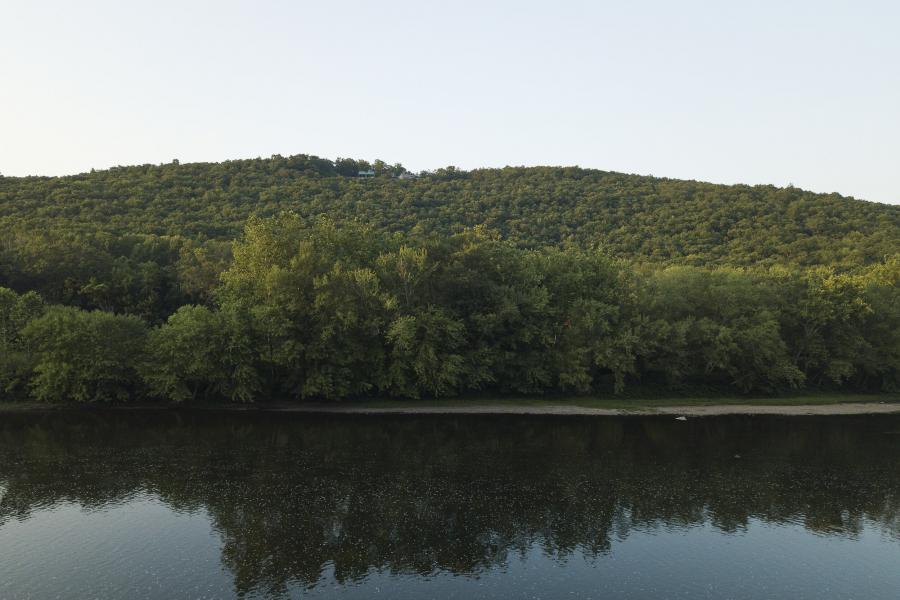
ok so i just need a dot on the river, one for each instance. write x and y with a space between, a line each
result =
182 504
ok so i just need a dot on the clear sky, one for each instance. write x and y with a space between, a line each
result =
802 92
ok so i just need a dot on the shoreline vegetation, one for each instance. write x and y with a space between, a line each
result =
333 312
807 405
539 283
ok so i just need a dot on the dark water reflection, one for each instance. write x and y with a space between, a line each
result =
179 504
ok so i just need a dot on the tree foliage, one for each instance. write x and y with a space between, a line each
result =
85 356
637 217
136 283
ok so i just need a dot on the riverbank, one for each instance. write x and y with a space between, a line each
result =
825 404
861 408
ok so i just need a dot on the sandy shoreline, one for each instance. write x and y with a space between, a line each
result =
861 408
849 408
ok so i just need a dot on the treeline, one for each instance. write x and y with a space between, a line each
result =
145 275
640 218
326 311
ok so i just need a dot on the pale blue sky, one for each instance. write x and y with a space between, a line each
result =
755 92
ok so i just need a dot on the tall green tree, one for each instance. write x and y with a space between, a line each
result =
16 311
199 354
85 356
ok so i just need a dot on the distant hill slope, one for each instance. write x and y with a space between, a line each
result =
641 218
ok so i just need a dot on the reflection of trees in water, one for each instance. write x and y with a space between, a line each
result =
289 495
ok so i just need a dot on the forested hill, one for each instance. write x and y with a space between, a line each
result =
218 282
642 218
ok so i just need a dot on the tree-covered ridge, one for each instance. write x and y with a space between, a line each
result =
136 282
636 217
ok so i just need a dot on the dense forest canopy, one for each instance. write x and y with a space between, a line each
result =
298 278
631 216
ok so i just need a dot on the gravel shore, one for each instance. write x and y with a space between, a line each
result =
861 408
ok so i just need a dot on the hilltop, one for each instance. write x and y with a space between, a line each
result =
641 218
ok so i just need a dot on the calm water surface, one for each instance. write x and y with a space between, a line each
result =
198 505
